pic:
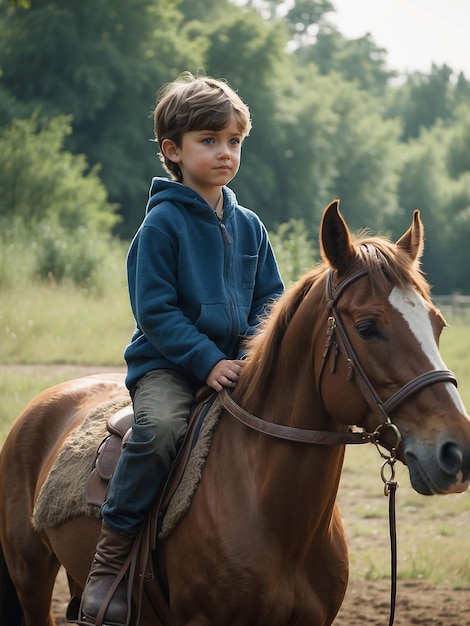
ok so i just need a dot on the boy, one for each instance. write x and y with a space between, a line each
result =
201 273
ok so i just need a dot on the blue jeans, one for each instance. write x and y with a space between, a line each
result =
162 402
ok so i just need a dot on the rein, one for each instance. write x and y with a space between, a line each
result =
338 340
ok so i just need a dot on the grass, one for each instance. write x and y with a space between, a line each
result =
45 324
431 530
49 324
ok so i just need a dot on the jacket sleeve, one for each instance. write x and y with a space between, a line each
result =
152 279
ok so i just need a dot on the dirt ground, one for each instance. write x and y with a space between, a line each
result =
367 603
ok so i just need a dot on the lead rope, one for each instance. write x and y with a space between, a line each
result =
390 489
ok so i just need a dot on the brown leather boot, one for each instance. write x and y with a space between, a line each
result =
112 550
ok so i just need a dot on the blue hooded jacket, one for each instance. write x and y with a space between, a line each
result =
197 286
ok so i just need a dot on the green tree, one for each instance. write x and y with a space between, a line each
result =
359 60
303 18
40 181
50 197
102 66
458 158
442 194
423 99
337 145
367 162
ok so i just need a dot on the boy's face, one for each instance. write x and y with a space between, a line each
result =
209 159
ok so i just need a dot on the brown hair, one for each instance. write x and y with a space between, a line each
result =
195 103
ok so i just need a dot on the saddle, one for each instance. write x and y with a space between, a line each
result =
119 427
140 565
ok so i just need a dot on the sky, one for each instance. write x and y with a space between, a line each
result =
415 33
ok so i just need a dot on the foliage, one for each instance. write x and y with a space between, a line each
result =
435 179
330 118
51 202
295 252
423 100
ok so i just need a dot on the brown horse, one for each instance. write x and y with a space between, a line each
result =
354 342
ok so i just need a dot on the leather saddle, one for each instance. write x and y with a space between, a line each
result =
119 427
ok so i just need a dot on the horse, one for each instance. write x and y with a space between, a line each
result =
354 342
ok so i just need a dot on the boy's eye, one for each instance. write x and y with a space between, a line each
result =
235 141
208 140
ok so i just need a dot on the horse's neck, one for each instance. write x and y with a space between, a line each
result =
293 484
289 487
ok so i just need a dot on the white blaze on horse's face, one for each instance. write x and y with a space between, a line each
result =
412 307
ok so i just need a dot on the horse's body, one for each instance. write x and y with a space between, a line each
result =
263 541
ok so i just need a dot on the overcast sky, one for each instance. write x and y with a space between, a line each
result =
415 33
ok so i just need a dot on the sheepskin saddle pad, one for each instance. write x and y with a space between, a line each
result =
66 492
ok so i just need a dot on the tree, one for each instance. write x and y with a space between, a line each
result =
337 146
443 197
102 66
303 18
40 181
359 60
50 197
247 51
423 99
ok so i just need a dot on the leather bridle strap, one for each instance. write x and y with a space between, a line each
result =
424 380
379 407
299 435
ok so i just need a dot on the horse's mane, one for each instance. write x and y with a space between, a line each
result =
386 265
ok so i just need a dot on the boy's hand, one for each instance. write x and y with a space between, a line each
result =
225 373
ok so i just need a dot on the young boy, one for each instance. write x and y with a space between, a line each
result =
201 273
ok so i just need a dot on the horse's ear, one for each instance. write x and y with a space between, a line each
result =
336 244
412 241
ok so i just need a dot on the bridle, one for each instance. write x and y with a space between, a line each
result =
338 341
337 338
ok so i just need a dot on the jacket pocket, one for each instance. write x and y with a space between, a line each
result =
249 267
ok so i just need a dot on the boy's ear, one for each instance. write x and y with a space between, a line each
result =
170 150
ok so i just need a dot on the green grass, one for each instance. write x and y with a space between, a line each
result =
432 531
45 324
50 324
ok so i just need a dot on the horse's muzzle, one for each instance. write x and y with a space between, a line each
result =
442 469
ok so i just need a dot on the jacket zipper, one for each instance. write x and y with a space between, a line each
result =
225 233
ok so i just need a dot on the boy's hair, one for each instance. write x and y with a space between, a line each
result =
195 103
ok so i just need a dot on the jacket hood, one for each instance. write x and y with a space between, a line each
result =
164 189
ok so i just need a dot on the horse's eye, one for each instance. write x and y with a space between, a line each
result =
368 330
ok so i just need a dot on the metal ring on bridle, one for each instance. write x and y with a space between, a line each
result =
378 432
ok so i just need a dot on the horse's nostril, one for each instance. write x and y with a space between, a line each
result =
450 457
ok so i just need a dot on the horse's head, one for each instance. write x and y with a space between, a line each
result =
381 363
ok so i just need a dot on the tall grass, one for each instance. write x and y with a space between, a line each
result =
50 322
45 324
64 324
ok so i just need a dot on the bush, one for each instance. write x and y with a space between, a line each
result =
295 252
52 201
